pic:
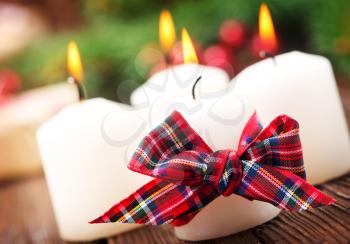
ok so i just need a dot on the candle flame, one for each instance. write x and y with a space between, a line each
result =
167 35
267 33
189 53
74 65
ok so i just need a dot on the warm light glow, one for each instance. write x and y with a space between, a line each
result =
167 35
267 33
188 51
74 65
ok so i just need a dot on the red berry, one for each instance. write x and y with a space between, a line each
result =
9 82
232 32
219 56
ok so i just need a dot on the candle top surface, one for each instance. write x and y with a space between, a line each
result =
294 57
34 106
179 79
183 70
294 65
85 109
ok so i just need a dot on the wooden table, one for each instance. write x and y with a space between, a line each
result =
26 216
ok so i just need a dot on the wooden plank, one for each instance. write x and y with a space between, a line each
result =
26 217
326 224
26 213
164 235
323 225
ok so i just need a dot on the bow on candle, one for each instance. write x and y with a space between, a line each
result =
267 166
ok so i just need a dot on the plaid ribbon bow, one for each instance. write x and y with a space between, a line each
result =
267 166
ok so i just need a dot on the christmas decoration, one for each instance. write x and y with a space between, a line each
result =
221 57
232 32
9 85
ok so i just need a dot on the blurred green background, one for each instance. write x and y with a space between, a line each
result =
112 33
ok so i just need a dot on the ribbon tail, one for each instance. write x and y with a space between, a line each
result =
184 219
281 188
200 198
158 202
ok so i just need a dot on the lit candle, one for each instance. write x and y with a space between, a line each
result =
219 119
84 171
178 79
265 43
75 69
302 86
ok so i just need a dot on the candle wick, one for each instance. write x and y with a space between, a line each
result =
194 87
167 59
266 54
81 89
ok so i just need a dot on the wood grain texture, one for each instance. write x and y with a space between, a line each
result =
25 213
26 217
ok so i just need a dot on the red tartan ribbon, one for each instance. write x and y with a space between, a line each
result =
267 166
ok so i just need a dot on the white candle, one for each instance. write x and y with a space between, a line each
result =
219 121
302 86
219 118
85 172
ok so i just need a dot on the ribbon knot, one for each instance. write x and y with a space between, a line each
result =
267 166
224 171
